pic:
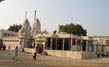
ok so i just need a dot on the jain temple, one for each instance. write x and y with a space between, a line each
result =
60 44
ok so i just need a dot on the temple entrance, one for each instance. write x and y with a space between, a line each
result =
39 48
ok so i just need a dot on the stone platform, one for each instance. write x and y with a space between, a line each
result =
72 54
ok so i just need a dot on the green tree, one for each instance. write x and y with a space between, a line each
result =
54 31
76 29
15 27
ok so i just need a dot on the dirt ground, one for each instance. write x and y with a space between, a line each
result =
26 60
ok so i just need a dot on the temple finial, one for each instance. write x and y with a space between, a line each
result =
35 15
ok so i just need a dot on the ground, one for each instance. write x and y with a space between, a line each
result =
26 60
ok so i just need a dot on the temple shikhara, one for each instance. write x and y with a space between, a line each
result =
60 44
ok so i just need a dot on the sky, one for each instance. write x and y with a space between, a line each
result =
93 15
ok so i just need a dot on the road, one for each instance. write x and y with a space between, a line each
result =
26 60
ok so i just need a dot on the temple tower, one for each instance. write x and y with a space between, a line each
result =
25 34
36 27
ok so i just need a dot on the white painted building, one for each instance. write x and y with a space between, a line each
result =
24 37
102 43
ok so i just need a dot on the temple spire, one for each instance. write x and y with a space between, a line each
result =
35 15
26 15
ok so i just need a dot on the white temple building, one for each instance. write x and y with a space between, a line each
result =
60 44
24 38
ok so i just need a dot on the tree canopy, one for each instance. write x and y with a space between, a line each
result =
76 29
15 27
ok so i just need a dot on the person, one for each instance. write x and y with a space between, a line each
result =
107 54
9 47
4 47
22 49
98 54
16 54
35 54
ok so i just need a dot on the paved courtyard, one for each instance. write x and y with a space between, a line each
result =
25 60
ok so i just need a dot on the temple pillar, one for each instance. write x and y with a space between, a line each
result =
87 42
76 45
51 43
46 44
71 44
63 44
56 44
91 46
81 45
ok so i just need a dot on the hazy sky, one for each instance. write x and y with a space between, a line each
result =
93 15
